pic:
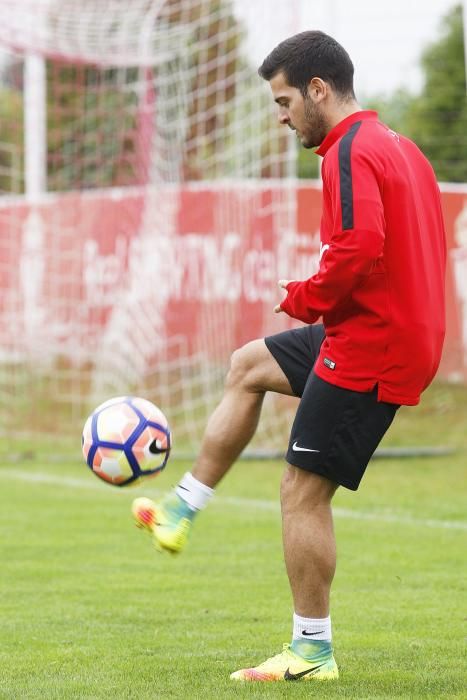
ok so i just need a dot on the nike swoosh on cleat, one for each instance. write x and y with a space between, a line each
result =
296 448
296 676
311 634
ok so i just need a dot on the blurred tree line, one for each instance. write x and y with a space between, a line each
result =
436 119
93 125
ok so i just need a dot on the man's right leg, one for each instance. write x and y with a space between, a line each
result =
233 423
253 371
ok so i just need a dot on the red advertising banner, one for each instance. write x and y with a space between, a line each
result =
195 261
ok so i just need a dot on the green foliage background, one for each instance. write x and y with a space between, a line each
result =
436 119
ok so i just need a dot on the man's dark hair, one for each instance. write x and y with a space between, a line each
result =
308 55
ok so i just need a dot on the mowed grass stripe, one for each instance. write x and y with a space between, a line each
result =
236 502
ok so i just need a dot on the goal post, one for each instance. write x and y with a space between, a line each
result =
35 126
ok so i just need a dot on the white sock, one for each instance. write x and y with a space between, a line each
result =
312 628
193 492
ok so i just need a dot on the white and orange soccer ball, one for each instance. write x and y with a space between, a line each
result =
126 440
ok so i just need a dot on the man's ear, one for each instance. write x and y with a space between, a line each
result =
317 89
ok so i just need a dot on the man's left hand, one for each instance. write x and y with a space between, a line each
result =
283 284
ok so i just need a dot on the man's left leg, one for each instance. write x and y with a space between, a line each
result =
334 434
310 558
308 537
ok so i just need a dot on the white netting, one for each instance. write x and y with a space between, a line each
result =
167 217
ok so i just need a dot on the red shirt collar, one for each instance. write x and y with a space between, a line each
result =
342 127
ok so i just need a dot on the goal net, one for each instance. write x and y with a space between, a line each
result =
148 207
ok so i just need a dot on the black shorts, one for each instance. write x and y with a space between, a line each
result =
335 430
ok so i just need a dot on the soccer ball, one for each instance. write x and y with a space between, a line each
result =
126 440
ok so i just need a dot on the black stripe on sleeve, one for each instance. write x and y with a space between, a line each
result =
345 176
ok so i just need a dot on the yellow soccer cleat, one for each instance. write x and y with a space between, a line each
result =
288 666
169 521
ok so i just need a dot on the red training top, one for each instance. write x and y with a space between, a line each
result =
380 284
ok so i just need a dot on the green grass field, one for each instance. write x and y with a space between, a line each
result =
90 610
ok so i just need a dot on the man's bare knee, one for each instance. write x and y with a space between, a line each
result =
301 488
255 370
244 366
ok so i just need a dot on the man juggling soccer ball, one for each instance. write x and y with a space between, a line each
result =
380 292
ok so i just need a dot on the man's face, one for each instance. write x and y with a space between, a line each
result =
301 114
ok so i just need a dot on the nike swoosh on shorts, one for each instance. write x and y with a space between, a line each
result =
296 448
